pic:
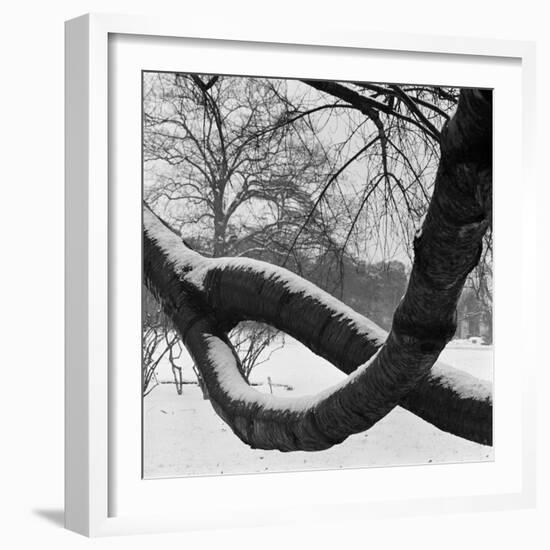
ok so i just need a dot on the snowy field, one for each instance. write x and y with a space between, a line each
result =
183 436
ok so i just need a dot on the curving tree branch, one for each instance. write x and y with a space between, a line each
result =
206 297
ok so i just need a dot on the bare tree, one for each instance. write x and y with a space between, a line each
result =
232 164
255 343
158 342
226 159
206 297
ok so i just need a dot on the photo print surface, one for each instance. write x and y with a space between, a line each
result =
317 274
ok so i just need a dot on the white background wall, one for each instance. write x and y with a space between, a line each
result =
31 149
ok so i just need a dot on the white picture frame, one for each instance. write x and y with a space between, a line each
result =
92 435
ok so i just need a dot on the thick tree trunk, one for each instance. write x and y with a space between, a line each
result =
206 297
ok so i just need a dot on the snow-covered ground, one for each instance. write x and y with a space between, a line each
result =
183 436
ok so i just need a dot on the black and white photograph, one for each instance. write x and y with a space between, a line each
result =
281 273
317 274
